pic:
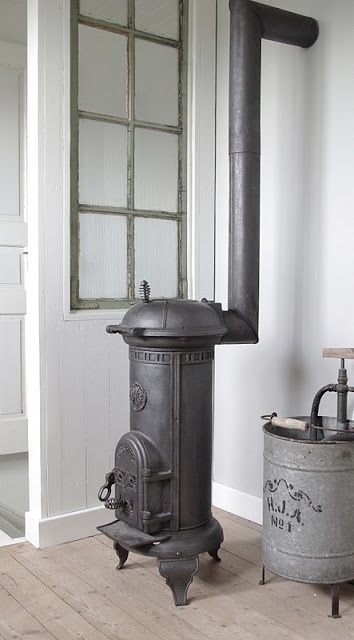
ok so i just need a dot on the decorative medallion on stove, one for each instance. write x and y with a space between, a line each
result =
138 397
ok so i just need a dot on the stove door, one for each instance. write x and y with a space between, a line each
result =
139 489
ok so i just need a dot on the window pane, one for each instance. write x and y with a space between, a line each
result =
102 71
157 17
156 256
156 170
156 83
102 163
110 10
103 256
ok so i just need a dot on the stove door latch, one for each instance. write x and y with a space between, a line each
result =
105 491
113 503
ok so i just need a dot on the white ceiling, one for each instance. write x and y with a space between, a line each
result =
13 18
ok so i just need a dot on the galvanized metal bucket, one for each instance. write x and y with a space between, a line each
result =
308 507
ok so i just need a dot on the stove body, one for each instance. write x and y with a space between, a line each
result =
162 474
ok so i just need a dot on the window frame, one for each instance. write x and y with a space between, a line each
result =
77 303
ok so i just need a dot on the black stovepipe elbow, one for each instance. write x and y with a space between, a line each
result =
249 23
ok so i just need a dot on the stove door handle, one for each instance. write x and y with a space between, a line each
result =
106 487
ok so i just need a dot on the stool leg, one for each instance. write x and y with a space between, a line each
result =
262 580
335 601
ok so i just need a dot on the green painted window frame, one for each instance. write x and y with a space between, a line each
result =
130 122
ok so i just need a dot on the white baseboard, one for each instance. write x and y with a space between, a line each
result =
67 527
237 502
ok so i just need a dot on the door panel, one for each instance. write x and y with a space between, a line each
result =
10 374
13 239
10 141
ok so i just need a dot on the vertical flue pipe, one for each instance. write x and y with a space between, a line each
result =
244 168
249 22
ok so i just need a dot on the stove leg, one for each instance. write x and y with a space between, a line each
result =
335 601
179 575
121 553
262 580
214 554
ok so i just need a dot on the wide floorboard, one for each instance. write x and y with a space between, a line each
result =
72 591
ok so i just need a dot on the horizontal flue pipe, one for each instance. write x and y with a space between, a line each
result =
249 23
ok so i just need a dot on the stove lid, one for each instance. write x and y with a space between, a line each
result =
173 318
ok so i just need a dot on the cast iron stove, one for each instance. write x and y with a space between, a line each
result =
162 473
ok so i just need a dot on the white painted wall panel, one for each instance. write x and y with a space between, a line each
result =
73 418
11 366
10 142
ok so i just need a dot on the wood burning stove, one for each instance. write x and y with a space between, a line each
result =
162 473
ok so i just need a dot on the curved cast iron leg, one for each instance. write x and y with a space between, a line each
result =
214 554
179 575
121 553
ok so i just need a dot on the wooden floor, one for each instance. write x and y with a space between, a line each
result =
72 591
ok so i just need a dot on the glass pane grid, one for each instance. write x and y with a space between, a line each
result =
172 209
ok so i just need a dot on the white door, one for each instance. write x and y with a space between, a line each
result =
13 239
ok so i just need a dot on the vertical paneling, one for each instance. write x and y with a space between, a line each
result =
10 142
74 418
119 408
97 410
201 146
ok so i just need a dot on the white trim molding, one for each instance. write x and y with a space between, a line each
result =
201 148
67 527
76 525
237 502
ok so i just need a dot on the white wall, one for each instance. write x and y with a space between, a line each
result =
307 234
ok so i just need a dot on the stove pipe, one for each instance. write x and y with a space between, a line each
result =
250 21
